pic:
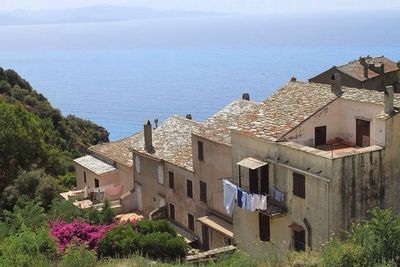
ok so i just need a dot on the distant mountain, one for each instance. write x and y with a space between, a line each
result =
102 13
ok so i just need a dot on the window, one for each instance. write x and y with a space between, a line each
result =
191 221
362 133
84 177
137 164
203 191
189 188
160 175
320 136
171 180
96 183
253 181
200 152
299 238
264 226
172 211
299 185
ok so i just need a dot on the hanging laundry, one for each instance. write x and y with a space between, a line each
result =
244 199
278 195
239 197
263 202
229 196
256 202
248 202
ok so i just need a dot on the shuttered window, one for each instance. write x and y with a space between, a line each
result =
189 188
203 191
171 180
253 181
299 185
172 211
200 150
264 227
191 221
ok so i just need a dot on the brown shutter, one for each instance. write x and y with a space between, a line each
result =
189 188
171 180
253 180
200 150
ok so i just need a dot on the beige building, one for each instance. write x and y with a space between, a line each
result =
163 172
108 172
373 73
323 154
211 144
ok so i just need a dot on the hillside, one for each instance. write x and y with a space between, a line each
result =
36 136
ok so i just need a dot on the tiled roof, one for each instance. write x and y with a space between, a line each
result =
118 150
171 142
95 165
217 127
294 103
356 70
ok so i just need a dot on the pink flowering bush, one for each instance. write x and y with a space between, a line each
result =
77 232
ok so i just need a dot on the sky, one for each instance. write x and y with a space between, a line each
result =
223 6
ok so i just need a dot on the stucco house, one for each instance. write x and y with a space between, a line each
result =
324 155
373 73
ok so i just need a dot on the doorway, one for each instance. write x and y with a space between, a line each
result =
205 237
320 136
362 133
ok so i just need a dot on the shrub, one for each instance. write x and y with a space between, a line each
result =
107 214
120 241
162 246
78 255
77 231
28 248
150 226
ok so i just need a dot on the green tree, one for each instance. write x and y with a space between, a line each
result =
106 213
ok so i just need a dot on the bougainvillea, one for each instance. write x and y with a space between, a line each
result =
77 232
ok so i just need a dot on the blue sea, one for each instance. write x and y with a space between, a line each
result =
118 74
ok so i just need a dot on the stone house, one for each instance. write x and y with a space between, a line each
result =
211 144
323 154
163 172
373 73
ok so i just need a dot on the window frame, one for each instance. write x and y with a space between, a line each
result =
190 221
299 185
200 150
187 188
171 180
203 191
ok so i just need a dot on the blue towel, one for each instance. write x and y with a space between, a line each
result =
239 197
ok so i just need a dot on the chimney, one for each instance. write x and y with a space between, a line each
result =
155 123
189 116
148 138
293 79
336 86
246 96
366 70
389 98
362 61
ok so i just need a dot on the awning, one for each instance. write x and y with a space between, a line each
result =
251 163
295 227
189 237
217 224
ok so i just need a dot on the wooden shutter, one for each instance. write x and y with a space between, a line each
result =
264 180
253 181
200 152
189 188
172 211
190 221
264 226
299 185
171 180
320 136
203 191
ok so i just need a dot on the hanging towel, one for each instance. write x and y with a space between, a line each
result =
239 197
244 199
263 203
278 195
256 201
229 196
248 201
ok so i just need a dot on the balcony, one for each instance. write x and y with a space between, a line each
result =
95 197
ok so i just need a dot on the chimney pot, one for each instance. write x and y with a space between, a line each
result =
148 137
293 79
246 96
155 122
362 61
336 86
389 99
366 70
189 116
